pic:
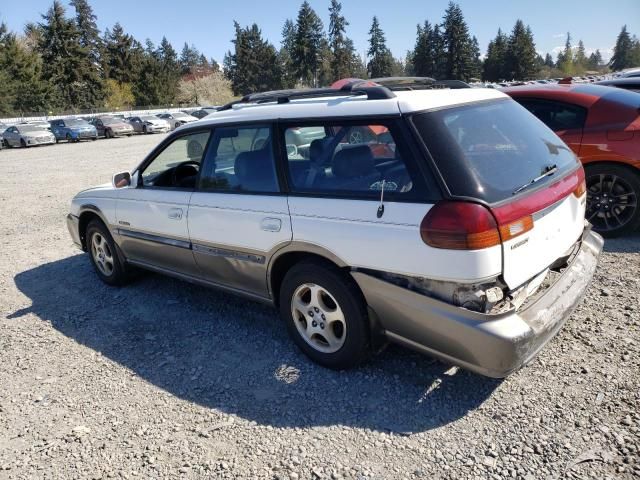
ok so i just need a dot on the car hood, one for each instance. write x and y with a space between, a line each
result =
97 190
119 126
81 128
40 134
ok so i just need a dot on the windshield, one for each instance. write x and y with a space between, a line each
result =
31 128
149 118
110 121
180 115
76 122
489 150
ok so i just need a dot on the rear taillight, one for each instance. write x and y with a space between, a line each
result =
580 189
459 226
468 226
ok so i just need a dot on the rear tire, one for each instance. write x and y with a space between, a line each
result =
23 144
326 315
613 199
104 255
108 134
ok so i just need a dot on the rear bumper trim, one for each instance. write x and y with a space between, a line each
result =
492 345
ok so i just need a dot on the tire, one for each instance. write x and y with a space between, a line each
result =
104 255
613 199
144 129
23 144
108 134
327 293
68 137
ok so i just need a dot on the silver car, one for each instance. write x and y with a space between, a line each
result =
27 136
149 124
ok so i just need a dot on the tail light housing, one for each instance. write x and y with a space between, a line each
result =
468 226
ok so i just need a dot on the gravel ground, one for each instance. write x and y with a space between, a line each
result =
166 379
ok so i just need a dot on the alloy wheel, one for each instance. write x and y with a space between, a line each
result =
318 318
611 201
102 254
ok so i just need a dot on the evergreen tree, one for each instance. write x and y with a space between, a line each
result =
65 61
308 46
285 54
521 53
548 61
423 57
169 73
440 53
494 67
380 58
342 51
580 59
565 58
90 61
594 62
190 59
476 70
622 52
457 43
119 58
252 66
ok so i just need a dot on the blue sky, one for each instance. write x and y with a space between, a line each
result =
208 24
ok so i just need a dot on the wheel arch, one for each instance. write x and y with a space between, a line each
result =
87 214
619 163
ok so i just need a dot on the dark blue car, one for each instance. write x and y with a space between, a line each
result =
73 130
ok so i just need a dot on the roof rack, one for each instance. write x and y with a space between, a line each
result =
376 92
417 83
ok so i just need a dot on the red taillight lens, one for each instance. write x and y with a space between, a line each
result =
459 226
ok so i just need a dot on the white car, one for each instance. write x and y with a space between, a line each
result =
455 227
149 124
177 119
27 135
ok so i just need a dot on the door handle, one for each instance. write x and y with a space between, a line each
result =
175 213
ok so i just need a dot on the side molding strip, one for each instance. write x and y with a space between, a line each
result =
221 252
154 238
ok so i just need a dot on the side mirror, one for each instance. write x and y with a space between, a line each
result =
121 180
292 150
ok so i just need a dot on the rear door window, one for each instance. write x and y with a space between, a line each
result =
557 116
489 150
347 158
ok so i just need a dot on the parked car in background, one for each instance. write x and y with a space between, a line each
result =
177 119
73 130
628 83
38 123
467 241
110 127
203 112
25 135
149 124
630 73
602 126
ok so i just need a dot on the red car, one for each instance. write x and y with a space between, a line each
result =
602 126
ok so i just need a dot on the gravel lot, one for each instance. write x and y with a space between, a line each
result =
166 379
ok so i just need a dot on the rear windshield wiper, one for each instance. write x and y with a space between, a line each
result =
549 170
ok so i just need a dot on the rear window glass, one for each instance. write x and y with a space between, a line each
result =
489 150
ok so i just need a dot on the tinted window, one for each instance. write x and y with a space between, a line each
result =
351 158
178 164
557 116
240 160
488 150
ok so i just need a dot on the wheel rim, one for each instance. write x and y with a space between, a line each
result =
318 318
102 254
611 202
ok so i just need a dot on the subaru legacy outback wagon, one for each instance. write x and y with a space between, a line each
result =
455 227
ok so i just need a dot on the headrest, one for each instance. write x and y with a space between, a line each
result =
316 149
353 162
254 168
194 150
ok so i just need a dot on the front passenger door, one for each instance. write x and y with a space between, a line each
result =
152 216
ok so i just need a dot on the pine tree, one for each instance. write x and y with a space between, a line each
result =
91 53
594 61
548 61
565 58
118 61
285 54
476 71
521 53
253 65
342 51
457 43
189 59
622 52
440 53
494 67
423 57
65 61
380 58
308 47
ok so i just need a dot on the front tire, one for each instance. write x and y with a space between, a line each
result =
108 134
613 199
23 144
104 254
325 314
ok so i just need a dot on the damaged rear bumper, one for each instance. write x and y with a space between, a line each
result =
490 344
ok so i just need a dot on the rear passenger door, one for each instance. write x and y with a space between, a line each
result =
237 215
357 192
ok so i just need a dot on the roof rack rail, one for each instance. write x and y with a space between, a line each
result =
417 83
376 92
